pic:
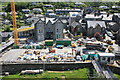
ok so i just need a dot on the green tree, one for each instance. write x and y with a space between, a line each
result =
7 29
18 6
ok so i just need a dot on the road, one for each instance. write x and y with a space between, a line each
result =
6 45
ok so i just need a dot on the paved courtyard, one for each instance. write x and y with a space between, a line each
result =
12 55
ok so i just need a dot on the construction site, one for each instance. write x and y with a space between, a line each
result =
65 52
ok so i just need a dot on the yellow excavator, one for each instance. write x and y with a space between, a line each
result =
110 49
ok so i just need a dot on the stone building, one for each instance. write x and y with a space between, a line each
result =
94 27
76 28
50 28
43 29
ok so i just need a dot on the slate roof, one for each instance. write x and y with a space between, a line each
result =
68 10
37 9
78 3
104 7
64 20
114 26
32 18
74 14
92 16
52 20
48 5
3 13
25 10
95 23
105 17
52 14
23 27
115 6
118 14
5 34
74 24
50 10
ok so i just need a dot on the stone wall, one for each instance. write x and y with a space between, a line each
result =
16 68
115 70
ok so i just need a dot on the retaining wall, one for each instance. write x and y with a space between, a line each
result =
16 68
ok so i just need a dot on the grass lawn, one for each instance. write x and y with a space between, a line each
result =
0 29
81 73
117 76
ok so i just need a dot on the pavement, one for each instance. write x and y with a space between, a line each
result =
12 55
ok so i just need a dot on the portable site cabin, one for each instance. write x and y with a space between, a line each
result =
48 42
106 57
96 46
90 56
93 45
63 42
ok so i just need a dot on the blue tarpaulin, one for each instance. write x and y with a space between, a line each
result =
59 46
87 56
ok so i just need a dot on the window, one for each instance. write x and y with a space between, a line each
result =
40 31
108 59
112 58
57 30
48 29
103 58
57 36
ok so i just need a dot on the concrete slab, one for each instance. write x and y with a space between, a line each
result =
12 55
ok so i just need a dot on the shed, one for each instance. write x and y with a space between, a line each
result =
106 57
90 56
